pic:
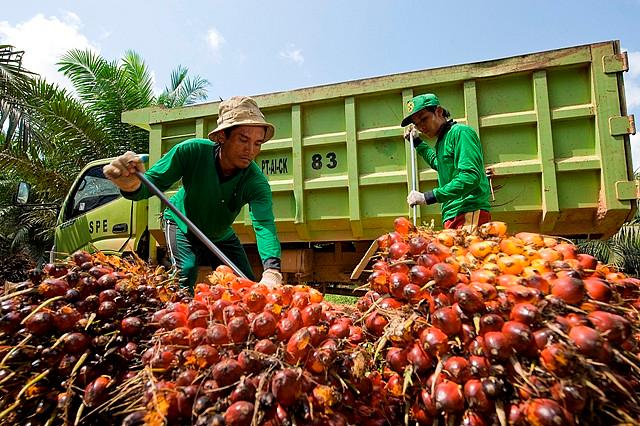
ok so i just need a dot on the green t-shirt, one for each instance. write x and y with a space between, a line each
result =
211 204
462 183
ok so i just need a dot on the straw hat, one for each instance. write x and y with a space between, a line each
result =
240 111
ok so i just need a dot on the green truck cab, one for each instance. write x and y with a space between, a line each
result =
554 130
96 217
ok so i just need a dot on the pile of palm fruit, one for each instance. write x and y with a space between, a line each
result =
456 328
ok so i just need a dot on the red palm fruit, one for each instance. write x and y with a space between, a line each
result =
398 250
519 336
375 323
264 325
394 385
490 322
587 261
419 275
265 346
79 257
131 326
66 318
497 345
285 329
395 237
217 334
576 319
402 225
379 281
238 329
612 327
300 299
545 412
417 245
75 343
488 291
471 418
479 366
458 369
571 396
412 293
448 320
383 241
568 251
438 250
311 314
52 287
399 267
206 355
587 340
96 391
476 397
444 275
541 337
244 391
434 341
197 336
380 265
598 289
318 334
557 358
40 323
285 385
397 359
171 320
299 344
254 300
570 290
356 335
339 329
417 357
448 397
469 300
217 309
226 372
397 281
199 318
522 294
526 313
539 282
239 414
390 303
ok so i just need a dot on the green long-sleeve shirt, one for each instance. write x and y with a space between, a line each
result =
462 183
210 203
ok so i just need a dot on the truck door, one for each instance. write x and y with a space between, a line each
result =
95 216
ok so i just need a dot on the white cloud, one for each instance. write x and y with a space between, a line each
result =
632 92
215 41
44 40
293 54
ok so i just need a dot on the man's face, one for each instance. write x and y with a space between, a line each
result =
242 146
428 122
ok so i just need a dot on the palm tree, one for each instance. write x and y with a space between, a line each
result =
51 134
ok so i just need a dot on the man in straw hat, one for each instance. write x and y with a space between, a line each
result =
219 177
463 188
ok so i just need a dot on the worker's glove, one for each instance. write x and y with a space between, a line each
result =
410 131
416 198
271 278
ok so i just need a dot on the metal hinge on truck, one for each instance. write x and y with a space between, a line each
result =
628 190
618 62
624 125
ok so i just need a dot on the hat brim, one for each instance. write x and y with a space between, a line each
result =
407 120
214 135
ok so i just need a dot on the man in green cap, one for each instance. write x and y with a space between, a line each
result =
218 177
463 188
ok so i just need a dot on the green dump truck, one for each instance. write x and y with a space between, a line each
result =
553 125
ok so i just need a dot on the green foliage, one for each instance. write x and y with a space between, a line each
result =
49 134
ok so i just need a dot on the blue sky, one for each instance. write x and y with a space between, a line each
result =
252 47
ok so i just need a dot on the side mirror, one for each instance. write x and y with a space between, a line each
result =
22 194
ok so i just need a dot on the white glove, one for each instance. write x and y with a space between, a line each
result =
416 198
271 278
411 130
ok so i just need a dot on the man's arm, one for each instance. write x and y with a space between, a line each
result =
261 212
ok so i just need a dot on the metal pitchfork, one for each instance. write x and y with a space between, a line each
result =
190 225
